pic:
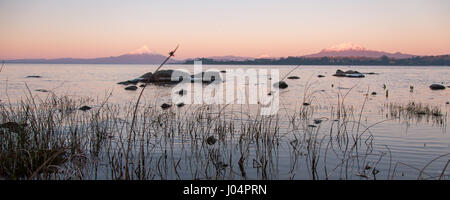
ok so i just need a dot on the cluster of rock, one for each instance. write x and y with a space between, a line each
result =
165 76
349 74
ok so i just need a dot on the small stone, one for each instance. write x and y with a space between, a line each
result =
42 90
281 85
211 140
165 106
34 76
131 88
180 105
293 77
437 87
182 92
317 121
84 108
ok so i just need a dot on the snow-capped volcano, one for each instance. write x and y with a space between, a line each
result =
346 47
353 50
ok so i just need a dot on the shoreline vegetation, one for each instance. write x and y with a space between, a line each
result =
57 138
443 60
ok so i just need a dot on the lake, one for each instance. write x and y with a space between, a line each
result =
395 141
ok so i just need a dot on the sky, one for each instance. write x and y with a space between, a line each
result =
202 28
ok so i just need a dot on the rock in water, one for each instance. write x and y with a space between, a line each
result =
165 76
317 121
33 76
211 140
131 88
180 105
182 92
293 77
84 108
348 73
42 90
165 106
437 87
281 85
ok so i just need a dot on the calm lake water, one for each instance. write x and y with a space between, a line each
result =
406 144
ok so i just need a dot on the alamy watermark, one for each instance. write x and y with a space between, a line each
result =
233 86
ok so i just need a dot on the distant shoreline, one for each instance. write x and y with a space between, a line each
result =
443 60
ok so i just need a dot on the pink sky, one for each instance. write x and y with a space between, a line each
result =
86 29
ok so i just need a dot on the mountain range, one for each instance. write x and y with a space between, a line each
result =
352 50
144 56
140 58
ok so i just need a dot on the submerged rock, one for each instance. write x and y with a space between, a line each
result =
131 88
349 74
85 108
42 90
293 77
281 85
437 87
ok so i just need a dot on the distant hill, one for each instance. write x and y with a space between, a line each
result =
443 60
142 58
230 58
352 50
343 54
